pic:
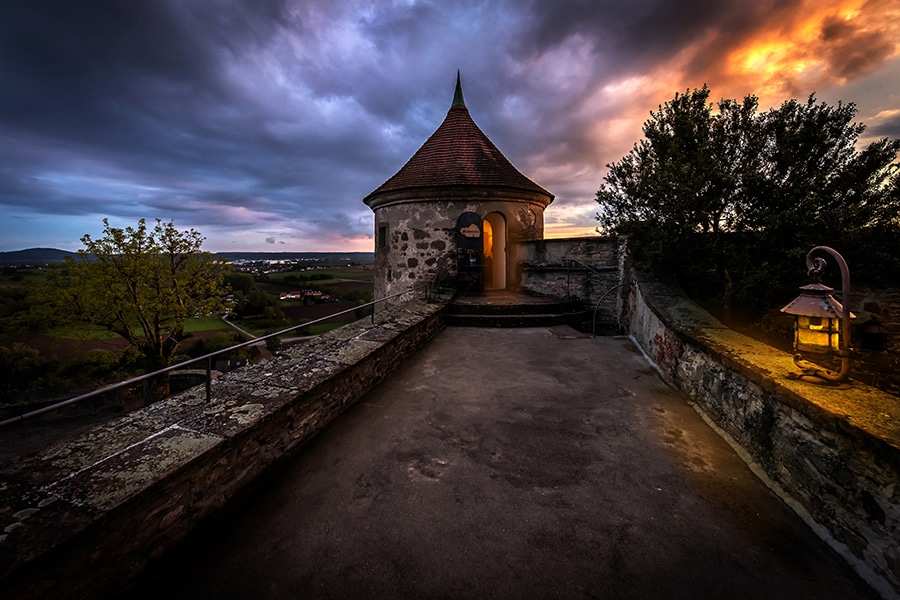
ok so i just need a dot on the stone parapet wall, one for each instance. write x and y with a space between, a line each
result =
832 454
882 306
580 269
83 517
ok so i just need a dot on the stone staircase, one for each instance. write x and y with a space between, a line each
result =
509 309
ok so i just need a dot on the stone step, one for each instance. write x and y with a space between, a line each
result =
502 301
514 320
510 309
549 307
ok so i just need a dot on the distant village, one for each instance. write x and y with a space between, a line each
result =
264 266
308 296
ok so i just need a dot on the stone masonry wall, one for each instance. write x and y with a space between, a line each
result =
881 305
420 243
83 517
832 454
581 269
421 238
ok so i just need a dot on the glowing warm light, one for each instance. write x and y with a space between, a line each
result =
802 50
568 231
887 114
764 57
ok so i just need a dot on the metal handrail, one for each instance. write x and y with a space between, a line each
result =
585 265
602 298
207 357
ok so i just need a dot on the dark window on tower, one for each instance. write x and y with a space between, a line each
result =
382 236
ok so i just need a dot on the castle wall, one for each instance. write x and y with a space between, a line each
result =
586 269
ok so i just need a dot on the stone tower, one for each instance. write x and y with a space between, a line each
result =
454 211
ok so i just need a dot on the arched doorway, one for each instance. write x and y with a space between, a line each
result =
470 253
494 252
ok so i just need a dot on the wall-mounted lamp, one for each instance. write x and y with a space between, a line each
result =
821 323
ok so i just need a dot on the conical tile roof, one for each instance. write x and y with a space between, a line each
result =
458 153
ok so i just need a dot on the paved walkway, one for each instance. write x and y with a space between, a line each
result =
512 463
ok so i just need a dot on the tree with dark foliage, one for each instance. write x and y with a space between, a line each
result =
732 199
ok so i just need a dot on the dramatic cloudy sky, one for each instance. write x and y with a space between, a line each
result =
263 123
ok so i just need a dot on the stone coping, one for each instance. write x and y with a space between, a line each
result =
872 414
49 501
562 266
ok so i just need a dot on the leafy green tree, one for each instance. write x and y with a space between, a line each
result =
734 198
14 306
257 303
142 284
240 282
19 364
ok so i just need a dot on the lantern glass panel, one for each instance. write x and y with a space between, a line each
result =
816 334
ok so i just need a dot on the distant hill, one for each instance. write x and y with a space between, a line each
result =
34 256
44 256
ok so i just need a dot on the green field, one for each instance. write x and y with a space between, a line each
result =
206 324
83 331
80 331
324 278
22 276
275 287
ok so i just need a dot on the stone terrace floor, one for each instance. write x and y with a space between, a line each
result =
513 463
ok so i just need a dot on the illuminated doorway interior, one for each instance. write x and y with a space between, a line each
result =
494 252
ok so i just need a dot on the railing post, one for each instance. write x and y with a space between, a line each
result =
208 379
146 391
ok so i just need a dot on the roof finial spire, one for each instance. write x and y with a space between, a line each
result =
458 95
